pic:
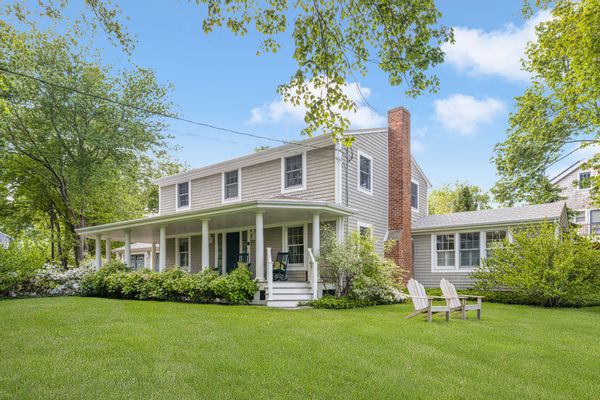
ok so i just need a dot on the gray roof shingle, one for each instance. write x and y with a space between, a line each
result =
498 216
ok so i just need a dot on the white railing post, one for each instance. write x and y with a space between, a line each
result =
313 275
269 273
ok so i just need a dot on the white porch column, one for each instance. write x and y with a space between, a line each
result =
205 255
260 247
108 249
153 257
162 258
128 248
316 234
339 229
98 251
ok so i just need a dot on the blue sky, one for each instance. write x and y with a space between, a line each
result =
218 79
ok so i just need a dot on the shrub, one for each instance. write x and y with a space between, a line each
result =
338 303
357 270
541 267
117 281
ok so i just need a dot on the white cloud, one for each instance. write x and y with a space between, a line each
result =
465 114
277 110
497 52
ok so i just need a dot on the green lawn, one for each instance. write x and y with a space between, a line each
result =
84 348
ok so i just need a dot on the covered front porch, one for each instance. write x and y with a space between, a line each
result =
262 234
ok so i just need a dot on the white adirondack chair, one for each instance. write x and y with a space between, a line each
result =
457 302
424 303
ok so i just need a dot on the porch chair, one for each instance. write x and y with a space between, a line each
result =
459 303
244 261
280 266
424 303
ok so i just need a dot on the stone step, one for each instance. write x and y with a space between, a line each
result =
298 297
282 303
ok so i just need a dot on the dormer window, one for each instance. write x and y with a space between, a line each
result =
294 173
365 173
585 180
183 195
231 185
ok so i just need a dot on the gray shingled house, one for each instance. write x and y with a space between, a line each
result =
274 205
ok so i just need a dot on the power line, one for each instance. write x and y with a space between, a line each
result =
161 114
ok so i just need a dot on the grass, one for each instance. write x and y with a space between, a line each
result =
85 348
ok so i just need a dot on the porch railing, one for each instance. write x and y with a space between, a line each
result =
313 274
269 273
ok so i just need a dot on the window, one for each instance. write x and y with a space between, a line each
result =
414 195
293 177
137 261
585 180
365 229
183 250
445 250
493 239
579 217
365 173
231 187
469 250
296 244
183 195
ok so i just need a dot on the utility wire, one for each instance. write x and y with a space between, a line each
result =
161 114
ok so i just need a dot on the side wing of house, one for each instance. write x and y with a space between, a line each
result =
576 194
419 192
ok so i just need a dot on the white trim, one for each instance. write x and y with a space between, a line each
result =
418 193
585 212
239 184
187 268
298 187
371 173
160 199
338 173
189 206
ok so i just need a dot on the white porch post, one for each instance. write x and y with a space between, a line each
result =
128 248
316 234
108 250
339 229
153 257
98 251
162 258
260 250
205 255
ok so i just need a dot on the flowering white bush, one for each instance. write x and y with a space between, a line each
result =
53 280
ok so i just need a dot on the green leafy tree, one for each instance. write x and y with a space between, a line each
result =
334 41
462 196
69 158
559 111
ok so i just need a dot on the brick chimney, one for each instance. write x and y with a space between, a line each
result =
399 185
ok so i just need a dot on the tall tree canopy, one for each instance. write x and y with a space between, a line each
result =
462 196
560 111
334 41
68 158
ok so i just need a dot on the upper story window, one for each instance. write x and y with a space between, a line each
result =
414 195
183 195
585 180
231 185
294 173
365 173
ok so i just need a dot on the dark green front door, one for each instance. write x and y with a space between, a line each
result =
233 250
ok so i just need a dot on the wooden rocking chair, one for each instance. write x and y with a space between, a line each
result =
280 266
244 260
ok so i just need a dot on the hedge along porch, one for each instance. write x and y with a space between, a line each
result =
197 240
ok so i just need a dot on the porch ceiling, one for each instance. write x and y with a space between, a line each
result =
231 216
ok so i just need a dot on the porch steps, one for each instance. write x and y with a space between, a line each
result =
288 294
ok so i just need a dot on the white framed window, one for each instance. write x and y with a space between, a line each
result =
494 239
445 251
295 244
580 217
183 198
584 181
365 173
470 249
183 252
414 195
365 229
232 185
293 173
